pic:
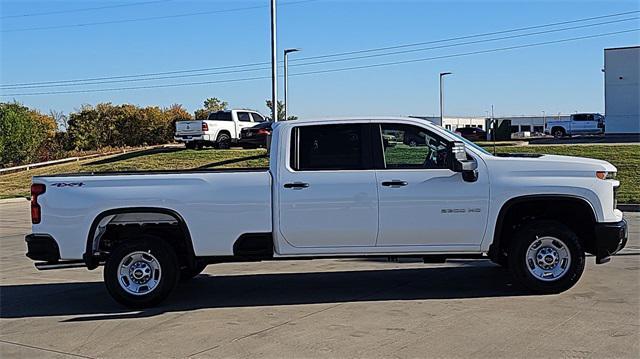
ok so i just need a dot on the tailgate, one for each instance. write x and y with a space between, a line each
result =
188 128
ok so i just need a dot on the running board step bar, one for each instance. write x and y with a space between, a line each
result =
60 265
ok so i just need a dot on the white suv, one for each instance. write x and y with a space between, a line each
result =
220 129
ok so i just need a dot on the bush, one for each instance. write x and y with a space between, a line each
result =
23 134
107 125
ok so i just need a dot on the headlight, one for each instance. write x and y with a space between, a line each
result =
604 175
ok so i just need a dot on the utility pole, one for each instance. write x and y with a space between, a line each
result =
442 74
286 82
493 124
274 65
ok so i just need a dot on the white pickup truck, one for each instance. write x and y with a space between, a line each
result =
335 188
577 124
220 129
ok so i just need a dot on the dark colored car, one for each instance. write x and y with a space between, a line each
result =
255 136
472 133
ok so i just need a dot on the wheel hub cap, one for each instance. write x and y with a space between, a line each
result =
139 273
548 258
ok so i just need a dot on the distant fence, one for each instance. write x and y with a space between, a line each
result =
8 170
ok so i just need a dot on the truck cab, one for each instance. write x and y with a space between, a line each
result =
577 124
221 129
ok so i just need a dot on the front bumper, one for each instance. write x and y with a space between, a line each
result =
610 239
42 247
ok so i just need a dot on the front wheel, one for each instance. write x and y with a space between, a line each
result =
546 257
141 273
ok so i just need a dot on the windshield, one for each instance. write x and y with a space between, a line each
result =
469 143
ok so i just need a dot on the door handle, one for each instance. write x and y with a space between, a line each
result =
296 185
395 183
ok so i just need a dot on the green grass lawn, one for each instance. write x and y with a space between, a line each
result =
625 157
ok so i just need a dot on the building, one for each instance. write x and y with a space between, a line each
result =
622 89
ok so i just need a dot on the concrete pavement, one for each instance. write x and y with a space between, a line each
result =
320 308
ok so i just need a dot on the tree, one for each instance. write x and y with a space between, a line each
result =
22 133
280 111
212 104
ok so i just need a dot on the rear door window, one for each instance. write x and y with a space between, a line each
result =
330 147
220 116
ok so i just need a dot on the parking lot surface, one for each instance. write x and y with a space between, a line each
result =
320 308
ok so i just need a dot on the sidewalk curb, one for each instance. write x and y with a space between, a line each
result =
13 200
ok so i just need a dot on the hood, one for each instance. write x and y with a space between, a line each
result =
553 163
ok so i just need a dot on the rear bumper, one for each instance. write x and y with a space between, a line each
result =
42 247
189 138
610 239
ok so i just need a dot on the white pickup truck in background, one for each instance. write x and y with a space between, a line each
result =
220 129
335 188
577 124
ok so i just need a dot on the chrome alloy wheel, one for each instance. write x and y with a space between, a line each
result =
548 258
139 273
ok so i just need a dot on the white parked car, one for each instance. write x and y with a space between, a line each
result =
577 124
335 188
220 129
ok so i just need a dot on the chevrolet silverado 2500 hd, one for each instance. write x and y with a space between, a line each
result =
334 188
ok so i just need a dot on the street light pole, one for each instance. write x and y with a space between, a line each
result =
286 81
442 74
274 65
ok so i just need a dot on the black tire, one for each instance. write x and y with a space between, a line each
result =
167 276
558 132
187 273
223 141
190 145
199 145
539 231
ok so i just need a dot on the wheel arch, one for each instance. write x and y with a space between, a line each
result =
92 261
496 244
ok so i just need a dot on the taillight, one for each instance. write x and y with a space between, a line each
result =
205 127
263 131
36 190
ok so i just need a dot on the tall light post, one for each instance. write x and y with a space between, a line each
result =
274 65
442 74
286 81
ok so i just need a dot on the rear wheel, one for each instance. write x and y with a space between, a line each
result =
141 273
546 257
224 141
190 145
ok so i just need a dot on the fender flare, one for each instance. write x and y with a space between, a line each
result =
497 233
92 262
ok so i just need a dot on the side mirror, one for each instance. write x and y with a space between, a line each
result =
468 167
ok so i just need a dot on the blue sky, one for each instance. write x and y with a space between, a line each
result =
563 77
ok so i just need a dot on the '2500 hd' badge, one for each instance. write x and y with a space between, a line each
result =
68 184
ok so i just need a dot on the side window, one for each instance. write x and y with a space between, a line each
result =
579 117
220 116
244 117
328 147
257 118
412 147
